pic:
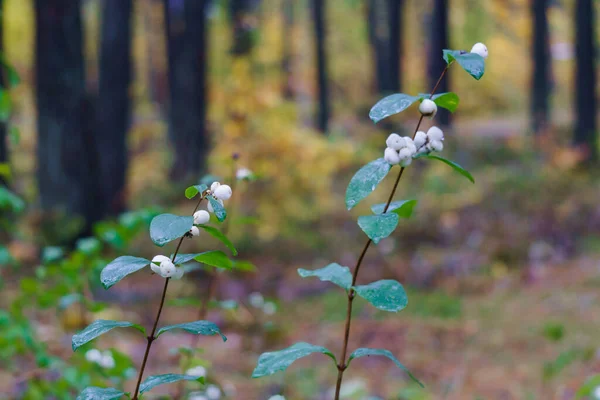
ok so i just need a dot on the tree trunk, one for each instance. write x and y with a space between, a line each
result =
318 10
187 48
288 52
65 151
3 143
585 79
384 33
540 80
439 42
113 103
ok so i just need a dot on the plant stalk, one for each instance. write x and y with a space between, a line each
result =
342 365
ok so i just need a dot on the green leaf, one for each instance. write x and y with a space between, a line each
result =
13 76
404 208
96 393
448 100
378 227
10 201
98 328
473 63
454 165
221 236
5 171
5 105
334 273
214 258
205 328
588 388
269 363
119 268
155 380
365 181
386 295
242 265
390 105
192 191
218 208
167 227
361 352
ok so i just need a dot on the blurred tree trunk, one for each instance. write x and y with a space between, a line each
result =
288 44
318 14
384 18
540 80
113 103
65 149
585 79
187 49
439 42
3 143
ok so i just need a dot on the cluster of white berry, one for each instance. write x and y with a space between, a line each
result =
103 359
402 150
164 266
201 217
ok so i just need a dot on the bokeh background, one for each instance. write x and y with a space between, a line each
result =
121 104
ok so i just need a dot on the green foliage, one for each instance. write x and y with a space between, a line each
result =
452 164
386 295
96 393
218 209
448 100
219 235
554 331
334 273
9 201
155 380
404 208
588 388
165 228
378 227
390 105
564 359
362 352
365 181
100 327
192 191
214 258
272 362
120 268
473 63
205 328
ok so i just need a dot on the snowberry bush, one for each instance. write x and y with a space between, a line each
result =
164 229
387 295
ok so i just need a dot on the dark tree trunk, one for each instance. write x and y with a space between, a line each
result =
113 104
65 149
287 40
540 80
3 143
243 27
384 33
585 79
187 48
439 42
318 14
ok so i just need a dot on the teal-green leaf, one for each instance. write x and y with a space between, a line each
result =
390 105
362 352
365 181
96 393
378 227
167 227
218 208
221 236
98 328
119 268
448 100
10 201
269 363
192 191
333 273
386 295
214 258
473 63
454 166
404 208
152 381
205 328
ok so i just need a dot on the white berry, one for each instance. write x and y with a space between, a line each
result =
420 139
437 145
481 49
158 260
195 231
178 273
167 269
214 186
428 108
243 173
391 156
201 217
223 192
395 141
435 133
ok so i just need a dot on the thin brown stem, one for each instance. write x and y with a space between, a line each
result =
151 338
342 365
